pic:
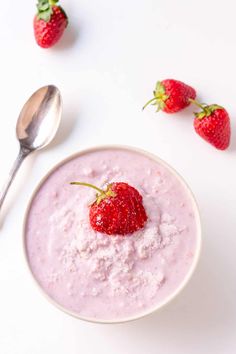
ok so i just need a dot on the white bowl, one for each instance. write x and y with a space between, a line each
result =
198 236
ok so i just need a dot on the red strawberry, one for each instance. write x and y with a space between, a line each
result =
118 210
49 23
171 96
213 125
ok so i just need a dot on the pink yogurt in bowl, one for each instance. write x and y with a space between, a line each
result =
111 279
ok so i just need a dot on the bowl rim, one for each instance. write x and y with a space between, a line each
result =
188 275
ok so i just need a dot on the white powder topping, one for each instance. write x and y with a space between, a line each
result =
88 172
111 260
116 264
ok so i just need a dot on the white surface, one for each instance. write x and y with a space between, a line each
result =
106 67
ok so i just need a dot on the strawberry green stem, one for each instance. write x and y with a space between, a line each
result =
196 103
203 106
207 110
150 101
102 194
88 185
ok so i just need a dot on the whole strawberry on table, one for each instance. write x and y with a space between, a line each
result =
212 123
171 96
49 23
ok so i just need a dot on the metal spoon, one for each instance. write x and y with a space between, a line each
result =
36 127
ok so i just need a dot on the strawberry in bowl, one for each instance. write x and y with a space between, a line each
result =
118 210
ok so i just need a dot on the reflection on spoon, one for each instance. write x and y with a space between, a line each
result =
36 126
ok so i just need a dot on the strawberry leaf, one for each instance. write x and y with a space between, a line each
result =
201 115
45 15
159 97
160 89
45 9
206 110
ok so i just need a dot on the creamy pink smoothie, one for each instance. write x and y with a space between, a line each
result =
103 277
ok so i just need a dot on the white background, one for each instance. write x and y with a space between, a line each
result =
106 67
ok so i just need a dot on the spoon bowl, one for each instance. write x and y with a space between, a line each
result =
39 118
37 125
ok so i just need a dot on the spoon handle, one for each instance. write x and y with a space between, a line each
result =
20 158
